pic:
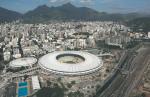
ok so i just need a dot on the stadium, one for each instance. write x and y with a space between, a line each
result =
22 62
70 63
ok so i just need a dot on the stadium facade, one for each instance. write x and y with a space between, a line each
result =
70 63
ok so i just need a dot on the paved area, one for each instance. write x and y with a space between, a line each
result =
128 76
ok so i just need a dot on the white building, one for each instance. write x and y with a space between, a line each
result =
35 83
148 34
7 56
22 62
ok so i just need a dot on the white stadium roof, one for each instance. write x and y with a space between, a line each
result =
23 62
90 63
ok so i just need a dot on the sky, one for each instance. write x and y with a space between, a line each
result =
110 6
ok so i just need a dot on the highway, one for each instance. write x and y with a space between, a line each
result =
128 75
135 73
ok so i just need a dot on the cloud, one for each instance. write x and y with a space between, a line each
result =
54 1
81 1
86 1
107 1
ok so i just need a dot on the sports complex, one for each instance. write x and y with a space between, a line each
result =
70 63
69 66
22 62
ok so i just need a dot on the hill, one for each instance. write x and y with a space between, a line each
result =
70 12
8 15
65 12
140 24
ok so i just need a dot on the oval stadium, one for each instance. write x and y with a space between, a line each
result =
70 63
23 62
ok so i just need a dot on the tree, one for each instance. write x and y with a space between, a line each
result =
76 94
73 82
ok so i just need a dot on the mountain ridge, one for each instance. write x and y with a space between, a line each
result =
65 12
9 15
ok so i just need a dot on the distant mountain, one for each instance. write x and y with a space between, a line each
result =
8 15
70 12
66 12
140 24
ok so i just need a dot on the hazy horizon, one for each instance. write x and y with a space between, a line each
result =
110 6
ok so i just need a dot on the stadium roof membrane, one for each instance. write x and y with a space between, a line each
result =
70 62
23 62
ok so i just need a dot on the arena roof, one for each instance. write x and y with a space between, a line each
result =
74 62
23 62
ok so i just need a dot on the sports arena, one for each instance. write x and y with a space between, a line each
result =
22 62
70 63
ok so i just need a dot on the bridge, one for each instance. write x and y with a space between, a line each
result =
105 54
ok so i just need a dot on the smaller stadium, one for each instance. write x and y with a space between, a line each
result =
70 63
22 62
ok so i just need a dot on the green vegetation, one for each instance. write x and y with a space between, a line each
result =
139 95
76 94
49 83
50 92
69 85
73 82
55 91
140 24
59 79
8 16
131 44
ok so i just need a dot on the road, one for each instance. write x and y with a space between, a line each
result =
136 71
128 75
